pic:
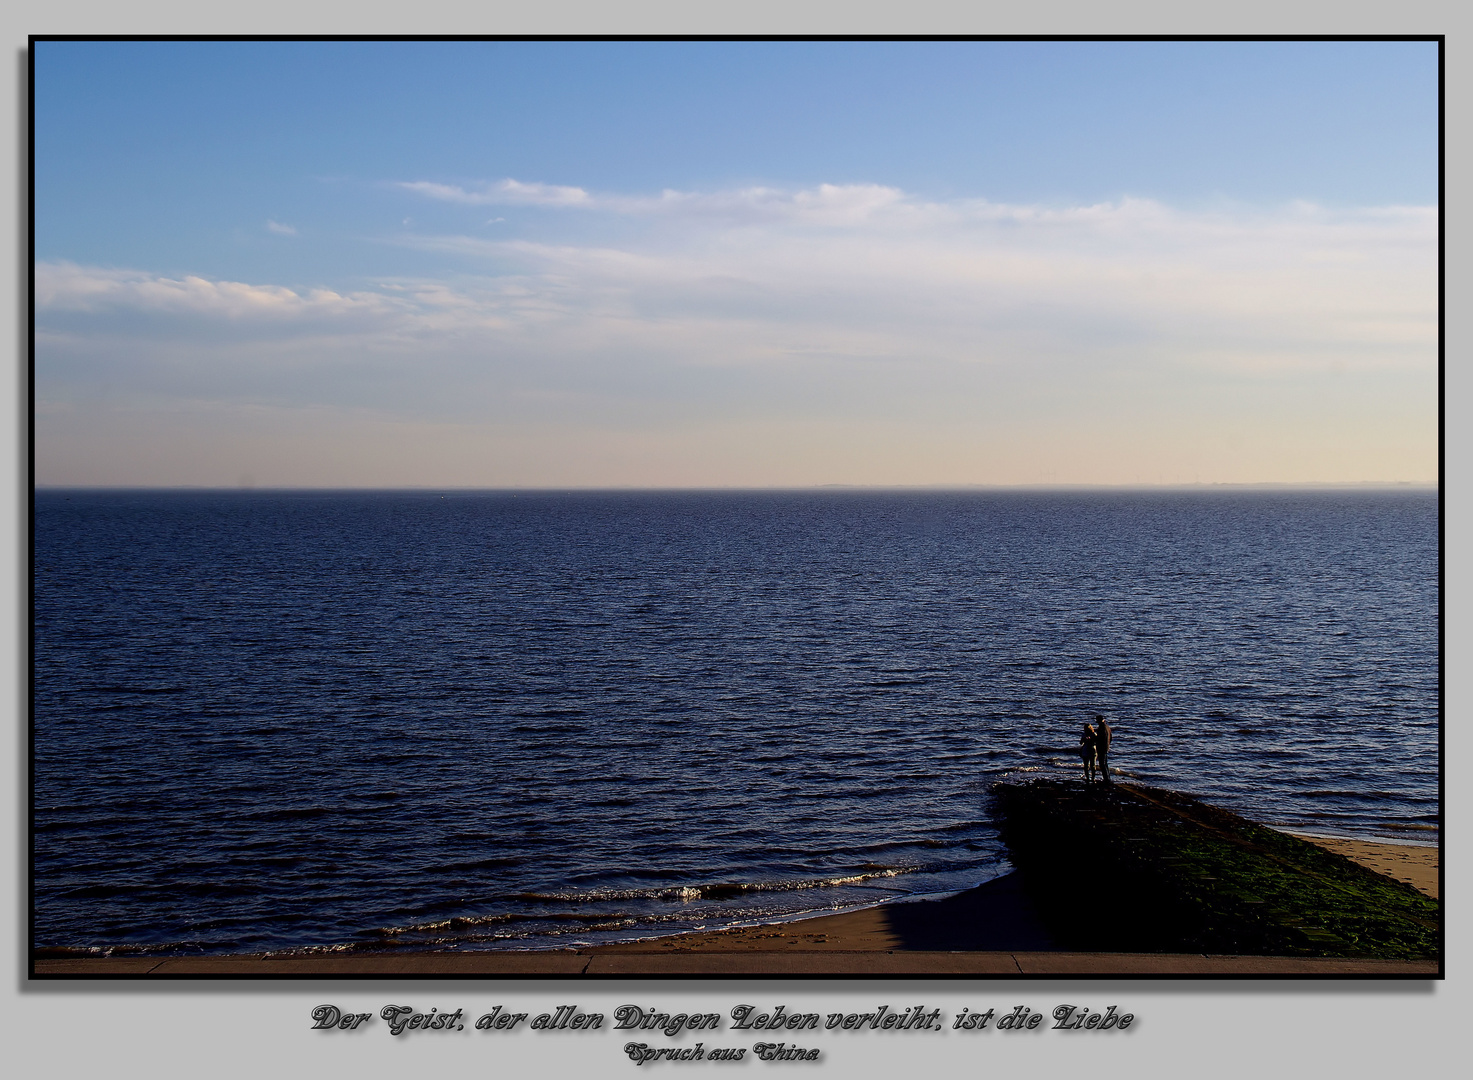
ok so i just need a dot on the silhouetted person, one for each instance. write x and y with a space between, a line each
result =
1102 747
1087 752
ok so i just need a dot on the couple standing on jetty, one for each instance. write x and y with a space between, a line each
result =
1094 749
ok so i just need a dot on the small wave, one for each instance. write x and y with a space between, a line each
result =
717 890
294 813
478 864
477 922
1365 796
58 952
107 892
132 689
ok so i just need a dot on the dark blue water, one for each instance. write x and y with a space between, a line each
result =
268 721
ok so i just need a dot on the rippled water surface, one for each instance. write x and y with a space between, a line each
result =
349 720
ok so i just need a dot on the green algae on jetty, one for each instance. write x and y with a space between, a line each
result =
1128 868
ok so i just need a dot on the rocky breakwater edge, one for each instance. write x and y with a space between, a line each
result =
1133 869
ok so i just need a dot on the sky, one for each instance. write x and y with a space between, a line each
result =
734 264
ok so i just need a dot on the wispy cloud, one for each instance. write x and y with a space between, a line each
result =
831 203
65 287
1259 290
856 310
280 229
877 207
970 281
502 193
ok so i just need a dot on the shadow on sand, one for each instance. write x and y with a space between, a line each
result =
996 916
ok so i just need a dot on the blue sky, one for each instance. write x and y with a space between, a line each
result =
507 264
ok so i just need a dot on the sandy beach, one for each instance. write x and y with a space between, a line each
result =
1414 864
989 930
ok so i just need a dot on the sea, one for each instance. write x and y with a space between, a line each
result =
337 721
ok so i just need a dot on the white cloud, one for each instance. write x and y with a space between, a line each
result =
280 229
